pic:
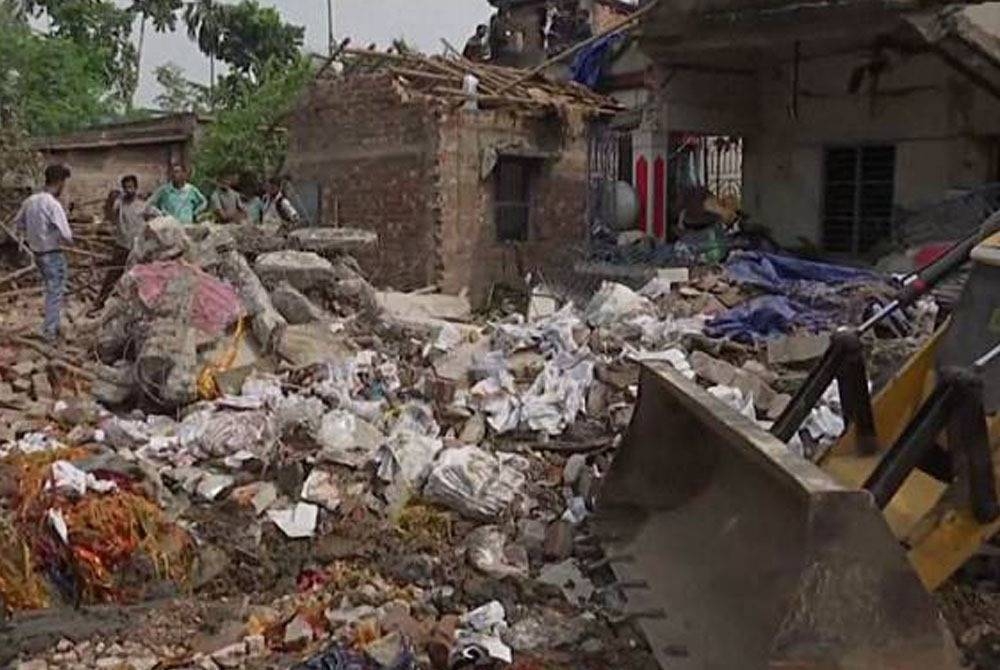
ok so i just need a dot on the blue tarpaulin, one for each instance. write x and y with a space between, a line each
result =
803 294
785 274
589 62
765 316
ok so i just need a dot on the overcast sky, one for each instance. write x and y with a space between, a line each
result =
421 22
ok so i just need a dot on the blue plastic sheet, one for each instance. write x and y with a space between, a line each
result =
803 294
786 274
765 316
588 64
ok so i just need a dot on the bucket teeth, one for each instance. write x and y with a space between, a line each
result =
629 617
609 560
633 584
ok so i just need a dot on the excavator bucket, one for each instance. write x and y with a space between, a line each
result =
735 553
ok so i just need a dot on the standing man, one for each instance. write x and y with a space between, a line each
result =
42 222
128 213
227 202
178 198
277 208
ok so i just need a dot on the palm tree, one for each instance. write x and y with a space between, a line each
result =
204 26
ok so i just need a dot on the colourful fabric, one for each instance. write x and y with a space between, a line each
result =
215 305
184 203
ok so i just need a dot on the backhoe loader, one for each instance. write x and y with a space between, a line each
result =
736 553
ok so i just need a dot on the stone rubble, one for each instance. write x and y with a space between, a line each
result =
337 470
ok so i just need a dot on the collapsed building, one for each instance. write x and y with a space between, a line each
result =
464 192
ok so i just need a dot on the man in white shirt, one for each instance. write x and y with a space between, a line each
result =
42 223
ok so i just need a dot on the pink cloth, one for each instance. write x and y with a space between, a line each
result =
215 306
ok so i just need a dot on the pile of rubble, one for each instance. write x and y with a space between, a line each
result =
330 475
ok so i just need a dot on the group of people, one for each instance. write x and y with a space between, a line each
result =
42 225
186 203
560 24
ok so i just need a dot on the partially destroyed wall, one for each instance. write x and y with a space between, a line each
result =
943 127
472 256
371 148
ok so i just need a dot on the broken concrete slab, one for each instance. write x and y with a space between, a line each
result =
425 306
324 240
311 343
304 270
266 322
295 306
797 348
457 364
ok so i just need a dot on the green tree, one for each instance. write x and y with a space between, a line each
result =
247 37
178 93
50 83
104 28
246 137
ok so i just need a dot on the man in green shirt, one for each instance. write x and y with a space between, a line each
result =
178 198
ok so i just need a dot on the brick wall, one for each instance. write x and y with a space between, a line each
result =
371 148
98 170
473 258
410 170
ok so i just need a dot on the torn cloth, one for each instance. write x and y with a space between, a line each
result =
589 63
215 305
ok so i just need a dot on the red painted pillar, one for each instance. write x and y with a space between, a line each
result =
659 198
642 188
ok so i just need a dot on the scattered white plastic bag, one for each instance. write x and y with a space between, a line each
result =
406 458
479 639
733 397
489 552
68 478
496 397
346 439
296 522
614 303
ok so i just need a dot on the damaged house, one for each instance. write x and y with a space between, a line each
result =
850 115
465 192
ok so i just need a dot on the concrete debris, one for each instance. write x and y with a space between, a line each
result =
313 344
322 471
797 348
303 270
567 577
294 306
325 241
267 324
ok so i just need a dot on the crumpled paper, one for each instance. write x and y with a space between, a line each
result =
474 482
